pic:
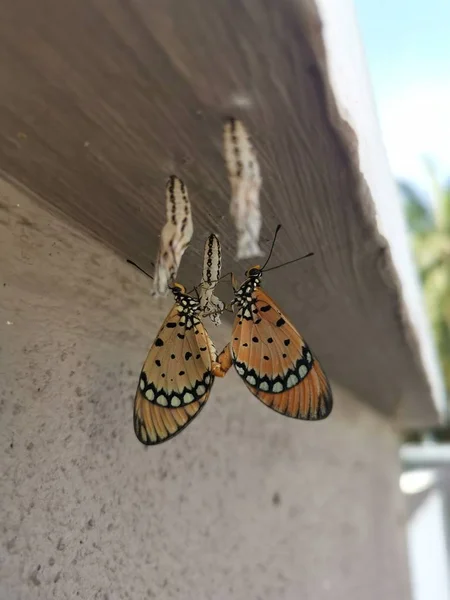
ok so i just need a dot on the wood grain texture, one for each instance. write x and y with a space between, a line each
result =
103 99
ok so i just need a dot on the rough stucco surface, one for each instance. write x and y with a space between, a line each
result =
244 504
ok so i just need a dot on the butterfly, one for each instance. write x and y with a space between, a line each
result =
271 357
176 378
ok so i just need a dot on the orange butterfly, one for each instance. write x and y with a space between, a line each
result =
177 377
271 356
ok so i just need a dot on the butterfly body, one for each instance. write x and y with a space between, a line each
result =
176 377
272 358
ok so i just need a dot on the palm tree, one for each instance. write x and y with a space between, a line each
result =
429 224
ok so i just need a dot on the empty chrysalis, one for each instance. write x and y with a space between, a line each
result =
210 304
245 181
175 235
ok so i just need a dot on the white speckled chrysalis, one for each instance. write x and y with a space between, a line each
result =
175 235
245 181
210 304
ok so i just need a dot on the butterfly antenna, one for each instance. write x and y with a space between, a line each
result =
139 268
194 289
273 244
289 262
220 280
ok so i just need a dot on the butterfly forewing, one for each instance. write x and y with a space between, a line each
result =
176 377
273 359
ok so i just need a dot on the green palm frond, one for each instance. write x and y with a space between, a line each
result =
443 209
441 198
429 225
419 217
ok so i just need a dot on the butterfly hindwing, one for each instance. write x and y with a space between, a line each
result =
273 359
176 377
154 424
309 400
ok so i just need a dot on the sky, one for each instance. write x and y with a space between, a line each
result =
407 44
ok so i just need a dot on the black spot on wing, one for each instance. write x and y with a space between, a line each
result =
265 308
171 325
280 322
187 356
159 342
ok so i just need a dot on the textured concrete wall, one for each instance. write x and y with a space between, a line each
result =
243 505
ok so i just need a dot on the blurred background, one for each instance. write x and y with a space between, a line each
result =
407 45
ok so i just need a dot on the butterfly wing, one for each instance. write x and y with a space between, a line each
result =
175 380
154 424
275 362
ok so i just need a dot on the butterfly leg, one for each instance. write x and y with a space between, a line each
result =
216 361
224 362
